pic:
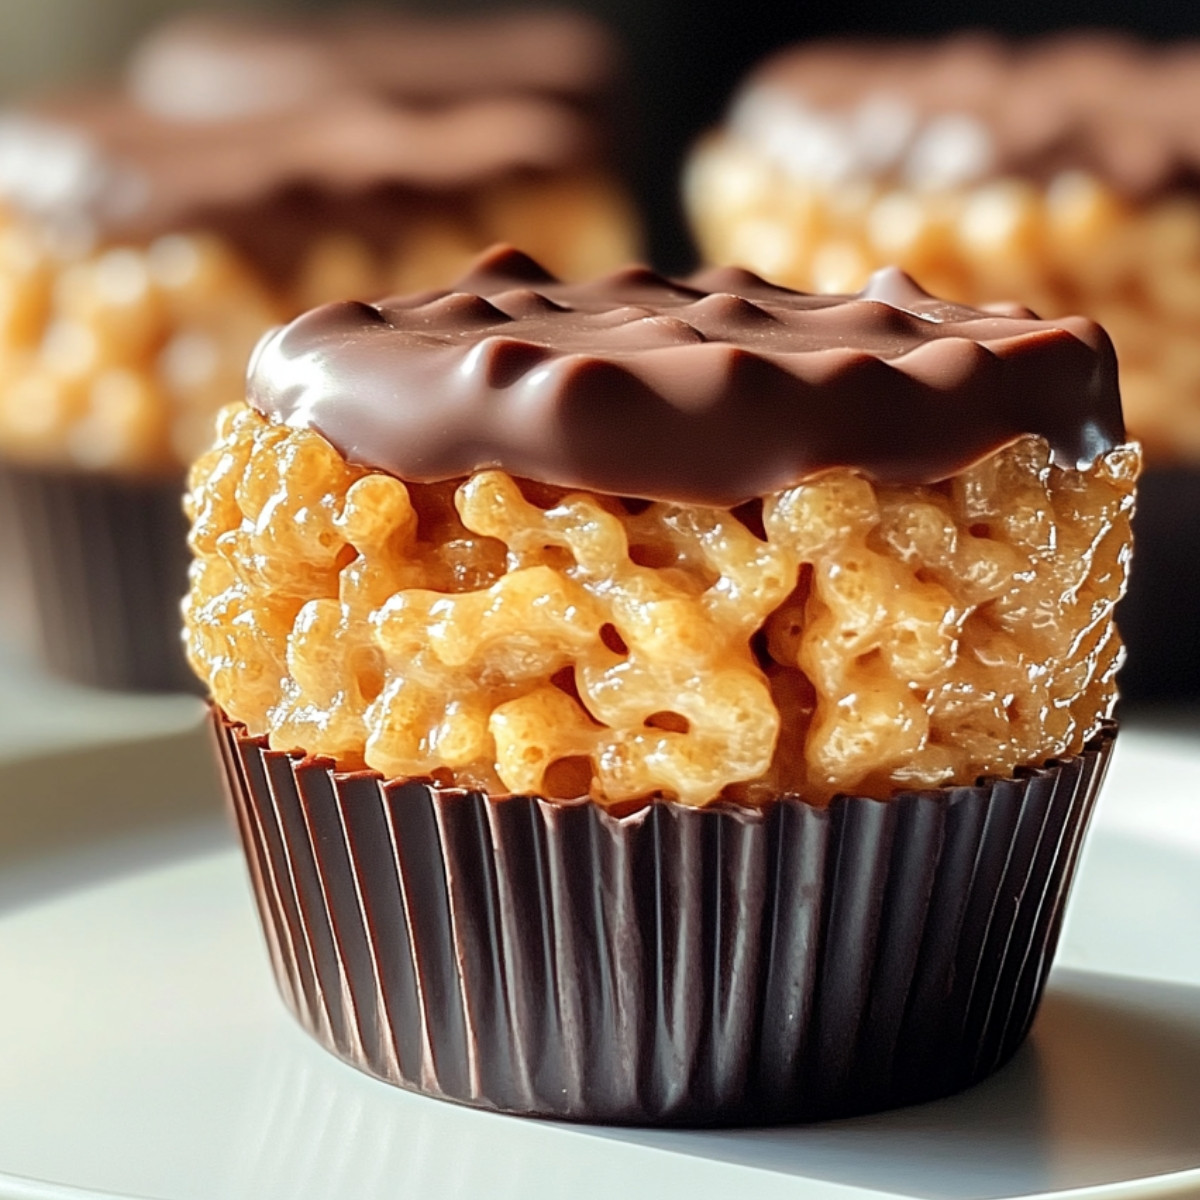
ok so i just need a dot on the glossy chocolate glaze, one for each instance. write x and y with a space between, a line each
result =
709 391
272 133
969 107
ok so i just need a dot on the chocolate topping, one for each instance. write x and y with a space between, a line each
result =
126 171
952 112
255 130
709 391
208 66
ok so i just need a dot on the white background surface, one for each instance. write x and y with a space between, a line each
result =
143 1051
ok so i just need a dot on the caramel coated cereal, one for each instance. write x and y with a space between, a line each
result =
495 633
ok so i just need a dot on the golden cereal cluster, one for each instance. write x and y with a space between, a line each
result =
496 633
1072 246
118 359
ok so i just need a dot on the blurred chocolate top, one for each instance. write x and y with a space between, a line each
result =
942 114
246 126
207 66
711 390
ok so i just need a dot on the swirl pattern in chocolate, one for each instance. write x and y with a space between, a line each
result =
712 390
951 112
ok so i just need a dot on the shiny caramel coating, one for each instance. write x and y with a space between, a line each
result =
496 633
1073 245
118 358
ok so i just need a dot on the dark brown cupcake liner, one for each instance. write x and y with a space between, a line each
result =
673 966
1159 618
94 569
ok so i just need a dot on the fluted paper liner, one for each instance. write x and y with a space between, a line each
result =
676 965
94 570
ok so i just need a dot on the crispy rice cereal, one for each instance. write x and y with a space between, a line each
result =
495 633
119 359
1072 246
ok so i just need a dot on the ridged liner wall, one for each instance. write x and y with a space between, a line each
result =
95 569
676 966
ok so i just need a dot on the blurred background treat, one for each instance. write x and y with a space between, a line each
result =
243 168
1061 171
686 56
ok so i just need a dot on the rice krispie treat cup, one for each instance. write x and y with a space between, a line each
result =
1062 172
243 171
659 701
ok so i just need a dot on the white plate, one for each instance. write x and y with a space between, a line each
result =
143 1052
